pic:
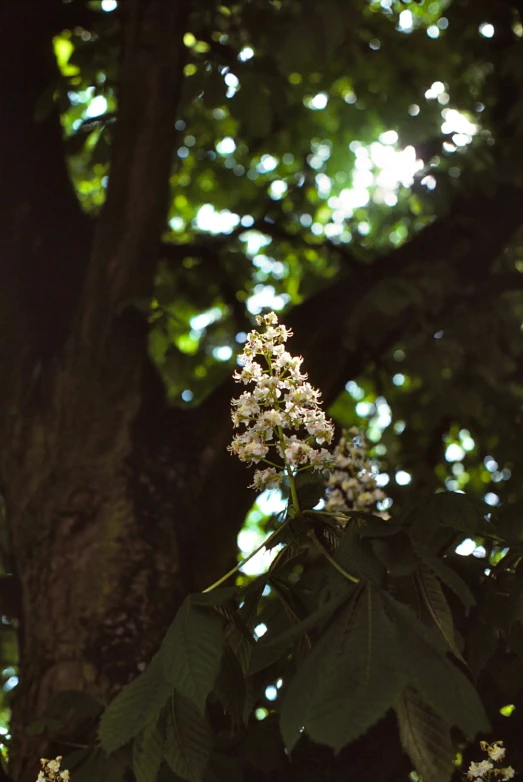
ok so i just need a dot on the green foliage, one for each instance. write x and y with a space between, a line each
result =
441 683
351 678
437 606
425 736
148 752
133 709
191 652
188 741
347 654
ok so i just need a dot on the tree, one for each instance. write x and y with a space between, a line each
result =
120 497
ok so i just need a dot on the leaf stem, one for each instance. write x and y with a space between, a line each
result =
237 567
339 515
321 548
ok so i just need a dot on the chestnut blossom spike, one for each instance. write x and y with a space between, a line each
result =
284 423
50 771
352 482
484 771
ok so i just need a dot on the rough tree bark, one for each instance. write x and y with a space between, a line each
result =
117 504
94 540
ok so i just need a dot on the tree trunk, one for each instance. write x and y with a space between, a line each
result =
104 486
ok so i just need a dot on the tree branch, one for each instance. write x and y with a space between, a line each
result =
330 330
457 250
122 263
44 235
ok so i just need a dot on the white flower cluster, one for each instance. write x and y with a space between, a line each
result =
51 771
281 413
352 483
484 770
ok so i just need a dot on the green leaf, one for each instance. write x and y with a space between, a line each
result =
266 652
374 527
310 490
482 642
238 633
298 701
134 707
191 651
459 511
425 737
349 680
396 553
291 553
437 606
446 509
365 680
188 743
438 680
148 752
449 577
296 612
230 686
356 557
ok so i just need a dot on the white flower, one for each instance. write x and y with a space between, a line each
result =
352 484
321 460
282 409
496 751
64 774
267 479
479 769
40 777
507 772
54 765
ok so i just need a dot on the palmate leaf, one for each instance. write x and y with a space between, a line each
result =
238 632
445 509
437 606
230 687
355 555
366 680
448 576
438 680
396 553
296 612
188 744
148 752
350 679
310 490
481 644
191 651
292 552
374 526
425 737
266 652
299 699
134 707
